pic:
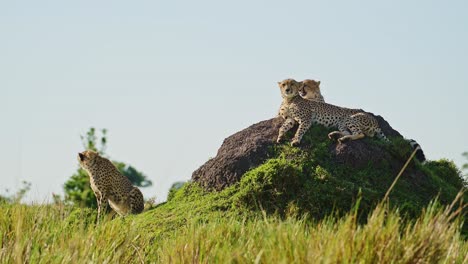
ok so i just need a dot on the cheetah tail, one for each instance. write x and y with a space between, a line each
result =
419 153
381 135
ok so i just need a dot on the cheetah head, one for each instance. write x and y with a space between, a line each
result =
87 158
310 90
289 88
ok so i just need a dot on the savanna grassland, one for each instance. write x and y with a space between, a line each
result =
57 234
297 207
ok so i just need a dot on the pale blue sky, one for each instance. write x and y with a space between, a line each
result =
171 79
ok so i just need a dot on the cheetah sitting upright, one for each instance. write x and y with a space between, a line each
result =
109 185
309 89
351 125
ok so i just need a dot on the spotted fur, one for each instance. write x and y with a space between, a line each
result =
351 125
310 90
109 185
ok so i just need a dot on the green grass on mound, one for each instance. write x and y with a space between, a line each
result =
306 181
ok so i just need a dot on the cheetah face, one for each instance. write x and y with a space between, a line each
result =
289 88
87 158
310 89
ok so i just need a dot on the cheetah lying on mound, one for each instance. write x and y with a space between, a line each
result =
109 185
310 90
305 112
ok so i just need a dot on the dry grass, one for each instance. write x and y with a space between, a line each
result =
54 234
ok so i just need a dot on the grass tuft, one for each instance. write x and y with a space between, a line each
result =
51 234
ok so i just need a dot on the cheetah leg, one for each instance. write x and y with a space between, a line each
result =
301 130
356 133
136 201
102 201
343 131
353 125
287 125
335 135
351 137
98 200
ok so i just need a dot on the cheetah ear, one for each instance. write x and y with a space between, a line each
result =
318 83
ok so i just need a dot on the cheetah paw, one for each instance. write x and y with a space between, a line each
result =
342 140
334 135
295 142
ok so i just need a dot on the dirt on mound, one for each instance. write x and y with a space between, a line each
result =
251 147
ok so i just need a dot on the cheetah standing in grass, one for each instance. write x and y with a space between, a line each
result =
305 112
109 185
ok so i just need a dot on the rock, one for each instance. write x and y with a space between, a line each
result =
358 153
250 147
238 153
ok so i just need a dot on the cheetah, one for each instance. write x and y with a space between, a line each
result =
310 90
305 112
109 185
